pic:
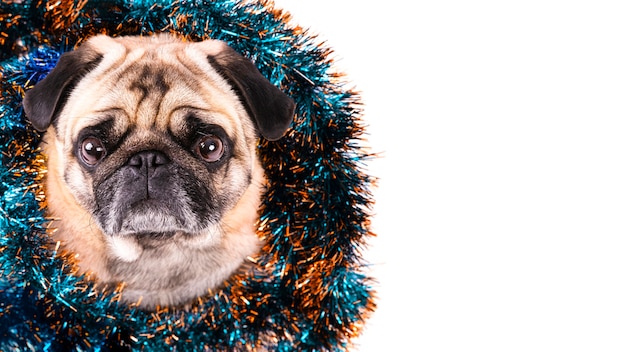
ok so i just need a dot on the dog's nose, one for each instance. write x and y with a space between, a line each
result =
148 161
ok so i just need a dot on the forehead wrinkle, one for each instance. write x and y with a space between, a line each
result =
192 85
117 115
147 85
189 93
159 85
179 119
212 84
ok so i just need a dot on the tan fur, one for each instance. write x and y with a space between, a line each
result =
91 246
208 258
75 229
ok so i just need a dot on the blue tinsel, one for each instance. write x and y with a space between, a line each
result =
308 292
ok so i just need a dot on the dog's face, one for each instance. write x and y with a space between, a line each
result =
153 137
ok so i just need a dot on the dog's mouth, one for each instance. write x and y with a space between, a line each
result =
179 205
151 218
154 239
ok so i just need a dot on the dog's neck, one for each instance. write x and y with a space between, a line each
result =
171 272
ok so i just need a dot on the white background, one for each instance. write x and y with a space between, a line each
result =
501 205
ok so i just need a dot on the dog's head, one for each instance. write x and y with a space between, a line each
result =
155 136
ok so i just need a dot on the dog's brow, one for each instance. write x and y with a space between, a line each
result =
105 130
187 132
113 110
105 124
112 113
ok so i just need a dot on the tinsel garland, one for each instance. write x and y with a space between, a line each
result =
309 289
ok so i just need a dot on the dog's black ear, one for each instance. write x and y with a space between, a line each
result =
44 101
271 109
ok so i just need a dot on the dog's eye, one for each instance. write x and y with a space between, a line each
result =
92 151
210 148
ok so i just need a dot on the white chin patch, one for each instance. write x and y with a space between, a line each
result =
125 248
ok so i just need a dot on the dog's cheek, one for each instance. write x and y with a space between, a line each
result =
200 192
81 185
105 209
232 183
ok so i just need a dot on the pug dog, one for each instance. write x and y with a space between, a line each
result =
153 177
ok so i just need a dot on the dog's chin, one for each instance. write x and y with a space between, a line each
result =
151 225
129 246
152 219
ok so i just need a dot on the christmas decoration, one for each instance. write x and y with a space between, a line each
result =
309 289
